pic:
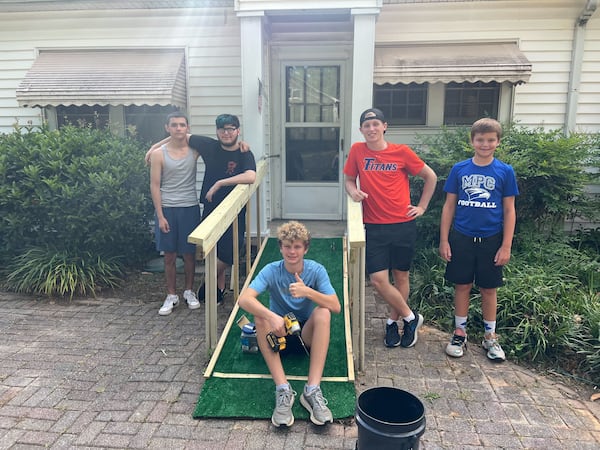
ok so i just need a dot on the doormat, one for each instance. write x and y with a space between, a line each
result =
238 385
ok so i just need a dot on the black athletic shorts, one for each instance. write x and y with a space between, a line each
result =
390 246
293 346
473 260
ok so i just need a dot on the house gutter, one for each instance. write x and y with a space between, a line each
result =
576 61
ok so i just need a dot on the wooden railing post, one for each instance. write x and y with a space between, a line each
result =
207 234
356 272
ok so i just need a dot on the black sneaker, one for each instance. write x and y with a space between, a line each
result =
410 332
202 294
392 337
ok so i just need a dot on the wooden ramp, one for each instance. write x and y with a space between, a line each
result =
239 384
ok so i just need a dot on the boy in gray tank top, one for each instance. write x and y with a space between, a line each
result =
173 189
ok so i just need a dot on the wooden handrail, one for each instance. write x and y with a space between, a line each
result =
356 277
207 234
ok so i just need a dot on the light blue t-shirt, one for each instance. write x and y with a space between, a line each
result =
276 279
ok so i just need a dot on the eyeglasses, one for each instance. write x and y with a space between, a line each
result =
227 130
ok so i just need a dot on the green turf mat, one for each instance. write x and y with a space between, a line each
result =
255 398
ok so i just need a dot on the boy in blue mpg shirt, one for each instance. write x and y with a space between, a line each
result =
300 286
480 206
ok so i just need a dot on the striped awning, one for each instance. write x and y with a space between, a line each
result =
105 77
447 63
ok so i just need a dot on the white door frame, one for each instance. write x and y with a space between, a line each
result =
283 56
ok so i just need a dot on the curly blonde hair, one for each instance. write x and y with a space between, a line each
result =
293 231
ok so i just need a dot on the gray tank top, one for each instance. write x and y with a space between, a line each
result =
178 181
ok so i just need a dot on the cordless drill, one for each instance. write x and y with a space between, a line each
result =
292 328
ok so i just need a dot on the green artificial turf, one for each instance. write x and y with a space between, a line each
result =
255 398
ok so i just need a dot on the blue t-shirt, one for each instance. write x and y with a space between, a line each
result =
480 191
276 279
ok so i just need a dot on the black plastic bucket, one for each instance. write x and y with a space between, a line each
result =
389 418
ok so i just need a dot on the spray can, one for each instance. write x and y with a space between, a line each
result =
248 338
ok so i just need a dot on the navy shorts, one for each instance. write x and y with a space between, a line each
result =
293 346
473 260
390 246
225 244
182 221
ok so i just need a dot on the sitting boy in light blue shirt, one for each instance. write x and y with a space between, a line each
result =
300 286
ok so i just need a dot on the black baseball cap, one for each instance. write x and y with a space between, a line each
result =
372 113
227 119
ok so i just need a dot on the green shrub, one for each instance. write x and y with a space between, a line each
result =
550 171
534 310
583 338
434 295
81 191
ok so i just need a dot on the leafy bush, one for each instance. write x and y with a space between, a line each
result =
550 170
80 192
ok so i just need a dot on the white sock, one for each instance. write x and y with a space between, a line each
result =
489 326
410 317
461 322
390 321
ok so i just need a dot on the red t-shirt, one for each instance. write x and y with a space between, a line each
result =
384 175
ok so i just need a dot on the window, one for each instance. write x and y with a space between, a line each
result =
94 116
402 104
145 123
148 121
466 102
313 93
118 88
409 105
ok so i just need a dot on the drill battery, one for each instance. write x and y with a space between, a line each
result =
292 327
276 343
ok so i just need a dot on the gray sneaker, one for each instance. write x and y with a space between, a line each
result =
316 405
282 414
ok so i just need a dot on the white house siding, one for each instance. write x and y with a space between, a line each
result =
211 38
544 31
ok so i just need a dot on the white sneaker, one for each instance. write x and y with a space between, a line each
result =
456 347
171 302
494 351
191 299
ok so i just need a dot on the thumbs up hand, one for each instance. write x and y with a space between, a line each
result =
297 288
